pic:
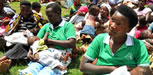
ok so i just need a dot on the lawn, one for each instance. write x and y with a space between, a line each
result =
73 68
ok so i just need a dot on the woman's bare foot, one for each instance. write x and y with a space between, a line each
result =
4 65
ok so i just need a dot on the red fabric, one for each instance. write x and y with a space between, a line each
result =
139 30
4 25
83 9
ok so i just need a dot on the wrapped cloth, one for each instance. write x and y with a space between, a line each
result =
17 37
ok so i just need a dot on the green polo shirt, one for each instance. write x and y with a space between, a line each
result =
63 31
132 53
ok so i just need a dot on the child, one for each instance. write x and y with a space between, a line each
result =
36 7
89 32
91 22
44 55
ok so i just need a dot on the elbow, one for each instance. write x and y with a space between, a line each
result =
81 68
73 44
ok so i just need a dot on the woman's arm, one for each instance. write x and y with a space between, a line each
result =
87 67
70 43
141 71
148 16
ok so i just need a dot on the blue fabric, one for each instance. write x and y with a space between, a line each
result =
46 71
69 3
151 27
35 68
95 1
88 29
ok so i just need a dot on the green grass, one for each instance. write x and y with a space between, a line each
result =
73 68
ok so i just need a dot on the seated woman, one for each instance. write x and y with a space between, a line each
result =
61 37
104 18
26 20
44 55
5 18
116 48
143 11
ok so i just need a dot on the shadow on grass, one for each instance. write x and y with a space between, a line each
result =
73 68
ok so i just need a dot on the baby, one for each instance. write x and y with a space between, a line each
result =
44 55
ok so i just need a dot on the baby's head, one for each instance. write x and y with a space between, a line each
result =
94 10
144 35
32 39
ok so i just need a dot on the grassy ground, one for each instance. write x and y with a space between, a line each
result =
73 68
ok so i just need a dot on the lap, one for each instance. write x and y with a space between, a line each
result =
36 68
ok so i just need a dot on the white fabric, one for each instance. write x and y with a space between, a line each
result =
120 71
7 9
128 42
106 5
86 16
17 37
52 56
76 19
34 46
61 24
133 32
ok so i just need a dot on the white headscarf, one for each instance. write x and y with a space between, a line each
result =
107 6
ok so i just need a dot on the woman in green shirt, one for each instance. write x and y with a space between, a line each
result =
116 48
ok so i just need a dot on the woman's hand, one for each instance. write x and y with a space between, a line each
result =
141 71
32 58
46 36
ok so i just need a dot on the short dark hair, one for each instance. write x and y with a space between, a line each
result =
93 9
54 6
129 13
36 5
24 2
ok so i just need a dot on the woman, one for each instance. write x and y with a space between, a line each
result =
26 20
116 48
143 11
104 18
61 37
5 17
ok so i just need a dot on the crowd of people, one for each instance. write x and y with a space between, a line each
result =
116 36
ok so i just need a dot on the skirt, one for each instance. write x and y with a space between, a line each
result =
18 51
